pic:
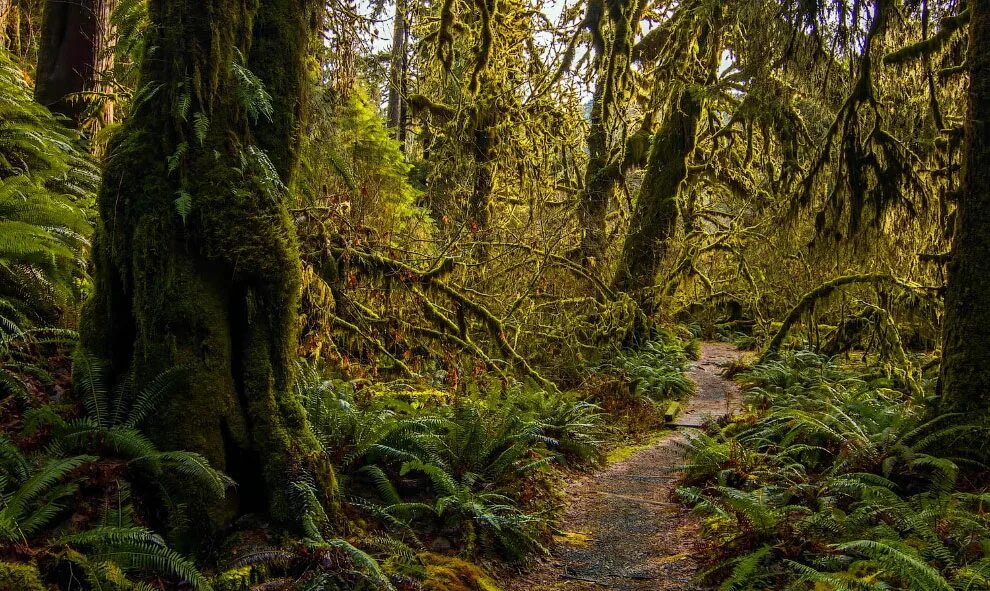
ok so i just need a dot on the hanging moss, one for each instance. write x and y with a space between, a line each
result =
822 291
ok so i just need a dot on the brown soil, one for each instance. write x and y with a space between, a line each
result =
622 529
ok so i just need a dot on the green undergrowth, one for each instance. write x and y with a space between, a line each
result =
636 385
837 479
426 484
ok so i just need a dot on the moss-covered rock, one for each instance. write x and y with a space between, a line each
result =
235 579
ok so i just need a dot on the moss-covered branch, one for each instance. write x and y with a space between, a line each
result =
433 281
949 25
823 291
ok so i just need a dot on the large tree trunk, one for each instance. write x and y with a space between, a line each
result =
197 263
74 56
655 218
68 56
965 375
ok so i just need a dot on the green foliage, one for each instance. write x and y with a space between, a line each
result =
459 471
46 190
250 91
353 166
39 496
46 493
841 482
655 371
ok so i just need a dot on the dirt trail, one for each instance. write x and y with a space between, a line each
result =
625 532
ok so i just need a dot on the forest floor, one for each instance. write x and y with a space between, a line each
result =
623 530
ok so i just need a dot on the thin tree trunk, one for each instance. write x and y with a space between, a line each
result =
655 217
6 14
965 374
103 10
397 72
16 27
67 57
478 206
198 266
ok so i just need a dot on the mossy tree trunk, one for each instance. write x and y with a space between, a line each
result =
483 150
197 263
655 218
965 374
600 180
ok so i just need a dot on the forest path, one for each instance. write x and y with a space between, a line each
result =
623 529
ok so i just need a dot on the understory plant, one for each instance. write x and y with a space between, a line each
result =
468 473
66 509
46 191
839 479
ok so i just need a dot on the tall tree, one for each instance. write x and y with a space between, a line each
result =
398 67
965 374
73 57
603 172
17 26
67 57
197 263
655 217
6 10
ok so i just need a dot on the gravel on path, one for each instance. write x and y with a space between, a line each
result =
624 530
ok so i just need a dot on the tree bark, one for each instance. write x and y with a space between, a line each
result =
482 148
655 217
103 10
197 263
67 56
600 180
965 375
6 14
17 27
397 73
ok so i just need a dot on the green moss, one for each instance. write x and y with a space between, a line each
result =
20 577
573 538
235 579
447 573
216 289
624 452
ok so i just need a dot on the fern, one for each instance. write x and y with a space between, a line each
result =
898 563
183 204
201 126
33 503
841 480
251 90
46 190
